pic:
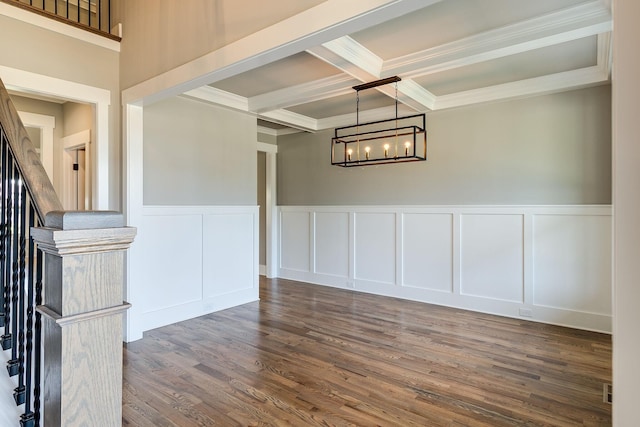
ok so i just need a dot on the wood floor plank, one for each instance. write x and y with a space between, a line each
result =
309 355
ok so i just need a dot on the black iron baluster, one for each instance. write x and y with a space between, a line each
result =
99 14
14 363
7 339
4 146
37 354
27 419
67 9
19 392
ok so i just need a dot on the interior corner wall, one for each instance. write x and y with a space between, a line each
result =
198 154
545 150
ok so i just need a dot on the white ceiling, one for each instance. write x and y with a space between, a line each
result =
450 53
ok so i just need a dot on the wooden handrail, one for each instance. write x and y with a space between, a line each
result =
28 161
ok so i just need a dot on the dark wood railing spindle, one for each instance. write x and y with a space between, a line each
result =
4 292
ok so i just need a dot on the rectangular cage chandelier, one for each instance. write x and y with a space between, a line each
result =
394 140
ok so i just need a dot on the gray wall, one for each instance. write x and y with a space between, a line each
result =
198 154
553 149
48 53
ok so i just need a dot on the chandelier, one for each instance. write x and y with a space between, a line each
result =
394 140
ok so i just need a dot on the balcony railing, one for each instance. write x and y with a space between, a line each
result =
91 15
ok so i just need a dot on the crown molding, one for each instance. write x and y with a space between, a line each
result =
289 118
567 80
316 90
277 132
221 97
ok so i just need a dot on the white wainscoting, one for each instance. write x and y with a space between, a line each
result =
194 260
550 264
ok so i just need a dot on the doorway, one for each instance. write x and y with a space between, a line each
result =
77 194
268 205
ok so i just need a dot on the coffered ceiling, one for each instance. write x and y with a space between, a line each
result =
449 53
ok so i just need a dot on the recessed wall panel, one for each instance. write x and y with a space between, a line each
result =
295 241
491 256
572 262
332 243
375 247
228 253
173 260
427 251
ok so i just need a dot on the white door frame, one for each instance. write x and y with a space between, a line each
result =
77 141
46 124
271 209
25 81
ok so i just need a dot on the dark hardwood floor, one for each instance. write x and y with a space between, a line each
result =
308 355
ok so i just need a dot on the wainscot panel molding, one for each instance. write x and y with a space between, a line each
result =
196 260
550 264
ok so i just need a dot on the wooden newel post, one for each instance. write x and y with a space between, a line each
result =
82 317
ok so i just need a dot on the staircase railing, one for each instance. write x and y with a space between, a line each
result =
61 283
90 15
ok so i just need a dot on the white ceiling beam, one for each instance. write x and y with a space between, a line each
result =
218 96
353 53
327 21
353 59
567 80
566 25
316 90
605 52
289 118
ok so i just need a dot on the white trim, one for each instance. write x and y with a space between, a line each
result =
132 128
46 124
558 27
292 119
25 81
322 23
350 50
271 209
518 276
80 140
316 90
267 148
262 270
536 86
76 140
58 27
277 132
221 97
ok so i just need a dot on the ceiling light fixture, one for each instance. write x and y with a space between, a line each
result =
395 140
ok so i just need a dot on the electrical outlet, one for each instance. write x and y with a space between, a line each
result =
526 312
607 393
